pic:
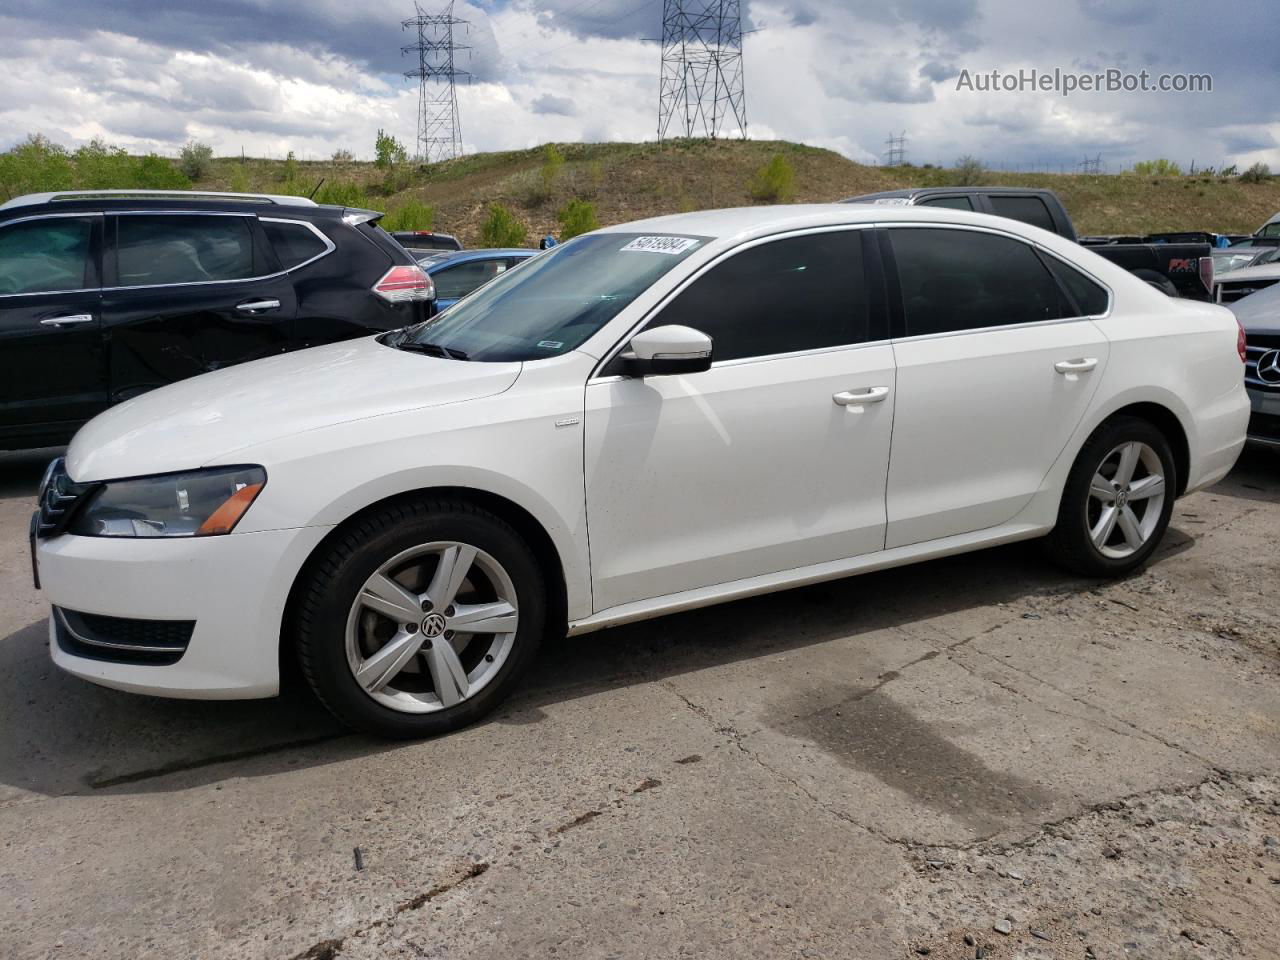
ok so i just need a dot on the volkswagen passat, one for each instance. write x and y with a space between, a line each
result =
649 418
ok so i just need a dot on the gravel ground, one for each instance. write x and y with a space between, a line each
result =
877 767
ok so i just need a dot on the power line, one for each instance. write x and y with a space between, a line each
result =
701 87
439 125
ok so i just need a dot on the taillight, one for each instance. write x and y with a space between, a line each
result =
1240 341
404 284
1206 273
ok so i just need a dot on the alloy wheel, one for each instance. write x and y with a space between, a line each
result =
1126 497
431 627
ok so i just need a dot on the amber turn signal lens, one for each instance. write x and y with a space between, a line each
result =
228 515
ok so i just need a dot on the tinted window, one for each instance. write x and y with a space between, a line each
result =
801 293
954 203
457 281
964 280
45 256
1091 299
553 303
183 249
294 243
1027 209
1270 230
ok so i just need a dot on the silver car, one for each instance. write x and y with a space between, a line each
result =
1259 314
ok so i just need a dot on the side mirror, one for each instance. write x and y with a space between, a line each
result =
669 349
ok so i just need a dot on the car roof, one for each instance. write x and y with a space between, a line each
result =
479 253
740 223
909 192
76 201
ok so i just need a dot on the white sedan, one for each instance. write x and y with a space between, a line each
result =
649 418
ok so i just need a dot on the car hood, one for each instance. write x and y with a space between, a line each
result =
197 421
1259 312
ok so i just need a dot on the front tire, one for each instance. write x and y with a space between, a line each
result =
420 618
1117 500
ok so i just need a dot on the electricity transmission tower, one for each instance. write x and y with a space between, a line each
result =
896 154
439 126
1091 164
701 92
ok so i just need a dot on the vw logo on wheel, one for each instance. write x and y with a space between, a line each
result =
433 626
1269 367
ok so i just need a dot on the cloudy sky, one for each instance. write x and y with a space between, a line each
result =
270 76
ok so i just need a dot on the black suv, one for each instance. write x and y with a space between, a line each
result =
107 294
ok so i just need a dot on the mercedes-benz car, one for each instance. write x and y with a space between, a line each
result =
648 418
1259 314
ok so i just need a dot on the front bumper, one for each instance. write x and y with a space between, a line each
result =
234 587
1264 421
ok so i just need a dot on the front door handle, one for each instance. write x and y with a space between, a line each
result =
1081 365
70 321
856 398
258 306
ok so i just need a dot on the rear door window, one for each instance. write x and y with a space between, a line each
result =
163 249
45 256
295 243
1025 209
798 293
454 283
954 280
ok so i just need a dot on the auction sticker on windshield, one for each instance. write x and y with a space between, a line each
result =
671 245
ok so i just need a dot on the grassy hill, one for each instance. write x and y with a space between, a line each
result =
626 181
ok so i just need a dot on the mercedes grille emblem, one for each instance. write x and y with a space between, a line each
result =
1269 367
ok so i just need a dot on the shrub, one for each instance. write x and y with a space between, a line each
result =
34 165
578 216
156 173
195 159
775 181
969 171
343 156
502 229
410 215
541 186
1258 173
1160 167
290 166
388 151
342 193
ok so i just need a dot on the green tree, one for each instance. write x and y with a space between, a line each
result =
969 171
37 164
501 228
1258 173
411 215
775 181
156 173
578 216
1160 167
195 159
388 151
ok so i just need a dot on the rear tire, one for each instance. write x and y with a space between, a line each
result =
420 618
1117 500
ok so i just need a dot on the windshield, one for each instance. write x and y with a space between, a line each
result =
555 301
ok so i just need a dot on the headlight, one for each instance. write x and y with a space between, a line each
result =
196 504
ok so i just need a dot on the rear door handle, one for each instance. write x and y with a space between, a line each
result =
856 398
67 321
1081 365
258 306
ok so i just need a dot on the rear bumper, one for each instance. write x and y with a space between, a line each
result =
234 588
1220 437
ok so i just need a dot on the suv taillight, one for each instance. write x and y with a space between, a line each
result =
1206 273
405 284
1241 343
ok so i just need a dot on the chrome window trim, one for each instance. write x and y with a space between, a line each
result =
330 246
50 216
720 258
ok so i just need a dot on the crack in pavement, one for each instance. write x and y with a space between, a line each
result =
331 947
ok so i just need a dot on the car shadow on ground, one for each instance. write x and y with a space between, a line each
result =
63 736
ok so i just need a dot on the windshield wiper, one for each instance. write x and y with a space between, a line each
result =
431 349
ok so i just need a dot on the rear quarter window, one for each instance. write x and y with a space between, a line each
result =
294 242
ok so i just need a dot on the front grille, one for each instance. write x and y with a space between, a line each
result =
1257 346
122 639
58 499
1231 291
1264 426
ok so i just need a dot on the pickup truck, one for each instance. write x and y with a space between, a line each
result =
1179 264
